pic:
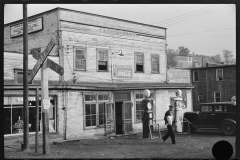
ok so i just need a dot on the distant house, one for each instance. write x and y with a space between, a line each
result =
184 61
213 84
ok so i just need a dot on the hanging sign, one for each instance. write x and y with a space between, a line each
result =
33 26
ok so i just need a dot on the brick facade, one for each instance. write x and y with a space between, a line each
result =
208 84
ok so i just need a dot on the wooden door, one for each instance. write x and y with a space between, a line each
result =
127 117
110 118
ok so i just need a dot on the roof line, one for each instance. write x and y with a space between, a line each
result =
59 8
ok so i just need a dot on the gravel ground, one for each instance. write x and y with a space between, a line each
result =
195 145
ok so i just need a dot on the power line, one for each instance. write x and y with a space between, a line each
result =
202 31
182 15
197 16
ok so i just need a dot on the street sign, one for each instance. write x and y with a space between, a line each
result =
46 103
55 67
43 57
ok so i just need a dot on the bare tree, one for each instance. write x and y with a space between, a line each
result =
228 56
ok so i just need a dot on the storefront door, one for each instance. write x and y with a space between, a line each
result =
127 117
110 118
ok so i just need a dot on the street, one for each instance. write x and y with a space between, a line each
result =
195 145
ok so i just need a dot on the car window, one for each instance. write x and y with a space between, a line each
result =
224 108
218 108
206 108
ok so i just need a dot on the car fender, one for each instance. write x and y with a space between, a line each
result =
230 120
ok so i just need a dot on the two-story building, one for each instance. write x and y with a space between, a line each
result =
107 62
213 83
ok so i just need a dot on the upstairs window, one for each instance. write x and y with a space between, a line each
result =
80 59
195 76
219 74
200 98
102 60
18 75
155 63
139 62
217 97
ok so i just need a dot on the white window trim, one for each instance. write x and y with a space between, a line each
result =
215 96
74 56
97 102
217 79
194 75
102 49
135 61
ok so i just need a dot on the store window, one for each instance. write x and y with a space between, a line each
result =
80 58
217 97
139 62
155 63
102 60
13 118
195 76
219 74
94 106
139 110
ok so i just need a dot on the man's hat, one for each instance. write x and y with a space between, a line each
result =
171 105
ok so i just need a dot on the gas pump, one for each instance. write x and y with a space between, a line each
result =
179 105
147 119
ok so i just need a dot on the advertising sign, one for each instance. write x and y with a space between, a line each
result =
33 26
122 71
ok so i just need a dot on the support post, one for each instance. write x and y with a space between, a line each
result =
37 120
25 81
45 121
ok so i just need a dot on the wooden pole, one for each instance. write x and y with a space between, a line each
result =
37 120
45 119
25 81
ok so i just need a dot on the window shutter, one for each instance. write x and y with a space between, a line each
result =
155 64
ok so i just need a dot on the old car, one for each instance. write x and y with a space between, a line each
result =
215 115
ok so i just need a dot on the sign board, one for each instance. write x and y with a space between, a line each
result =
46 103
36 53
43 57
122 71
55 67
33 26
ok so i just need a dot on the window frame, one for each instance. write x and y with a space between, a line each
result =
217 97
139 100
200 99
194 80
16 71
135 62
155 55
97 102
97 53
74 58
217 75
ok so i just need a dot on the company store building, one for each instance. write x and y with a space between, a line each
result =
107 63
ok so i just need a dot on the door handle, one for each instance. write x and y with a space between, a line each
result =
212 114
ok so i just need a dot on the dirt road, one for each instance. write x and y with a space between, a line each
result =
197 145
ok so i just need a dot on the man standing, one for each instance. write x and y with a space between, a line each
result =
169 121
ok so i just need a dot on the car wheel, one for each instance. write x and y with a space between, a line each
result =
228 128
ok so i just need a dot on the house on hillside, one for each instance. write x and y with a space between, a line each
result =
107 63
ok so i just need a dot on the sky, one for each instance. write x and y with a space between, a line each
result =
204 29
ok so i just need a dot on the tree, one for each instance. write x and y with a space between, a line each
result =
171 60
228 56
183 51
216 58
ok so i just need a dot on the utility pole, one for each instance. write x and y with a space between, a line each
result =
25 80
37 120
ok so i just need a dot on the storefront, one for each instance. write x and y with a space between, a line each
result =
13 108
